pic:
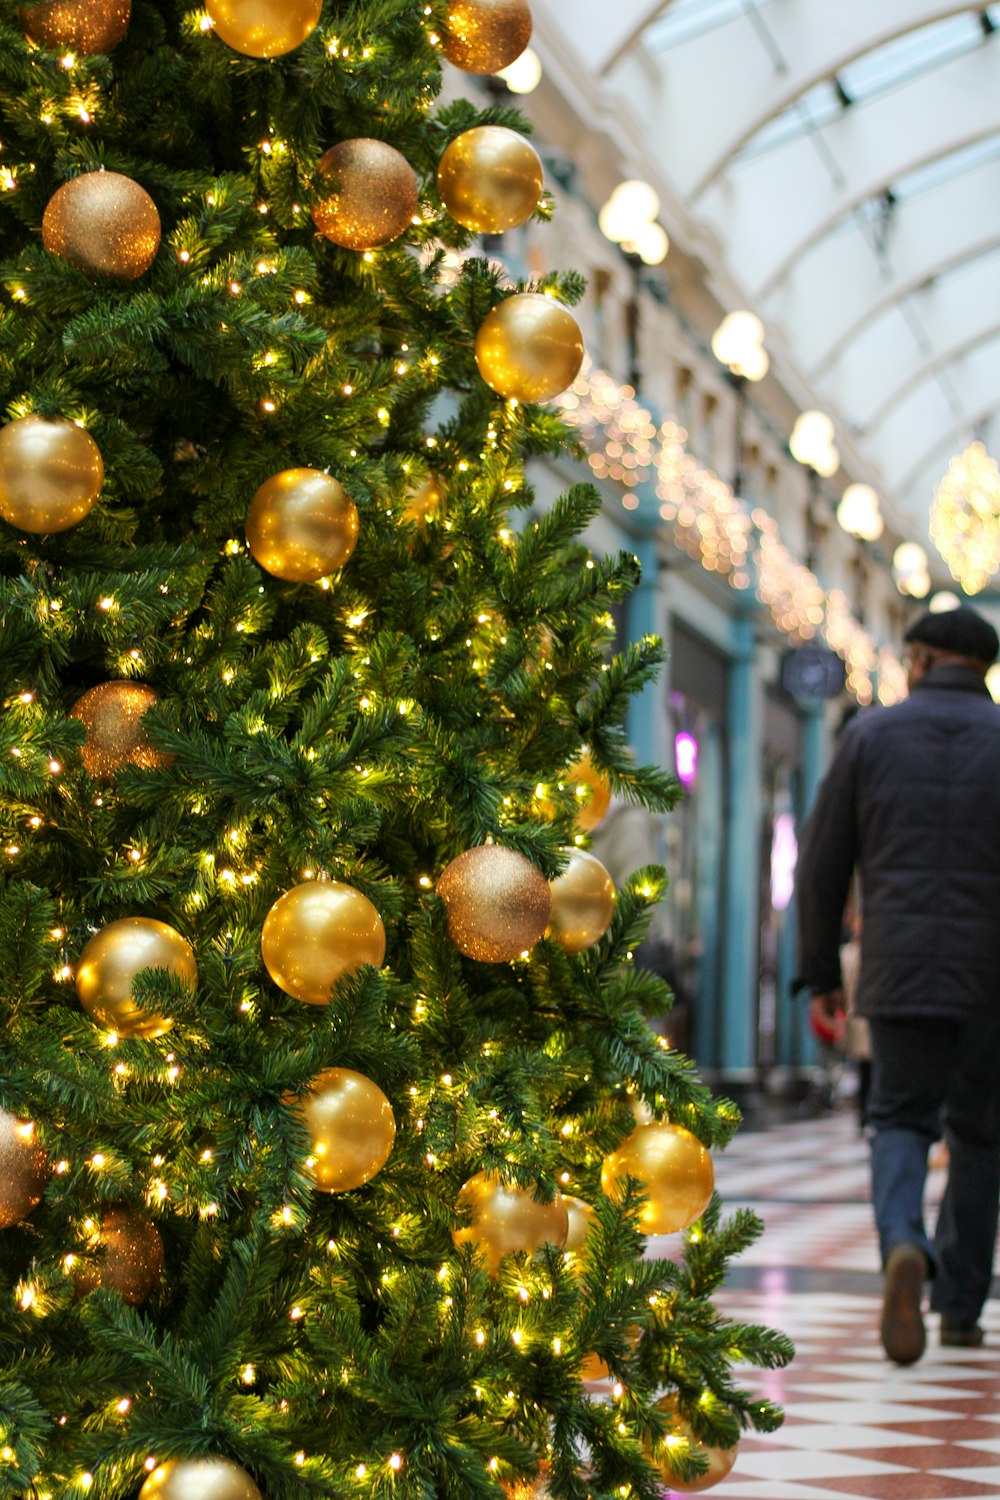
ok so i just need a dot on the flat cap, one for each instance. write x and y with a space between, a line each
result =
961 630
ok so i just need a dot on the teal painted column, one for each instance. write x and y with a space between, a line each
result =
813 755
647 615
737 1028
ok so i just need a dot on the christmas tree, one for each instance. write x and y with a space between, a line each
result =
323 1046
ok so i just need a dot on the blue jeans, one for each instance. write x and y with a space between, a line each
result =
931 1079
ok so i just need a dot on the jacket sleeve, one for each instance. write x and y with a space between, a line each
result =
826 859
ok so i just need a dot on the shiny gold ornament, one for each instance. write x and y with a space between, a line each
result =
105 224
720 1460
318 932
367 194
302 525
593 1367
490 179
505 1219
676 1170
483 36
111 960
580 1216
530 1489
131 1257
86 27
583 903
529 348
199 1479
24 1169
112 714
352 1128
498 903
424 501
51 473
264 28
591 789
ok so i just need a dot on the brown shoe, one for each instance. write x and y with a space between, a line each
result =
961 1335
902 1327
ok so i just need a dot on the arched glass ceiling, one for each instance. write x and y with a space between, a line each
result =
846 154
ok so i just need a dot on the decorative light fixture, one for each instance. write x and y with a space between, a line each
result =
738 343
965 518
686 758
943 601
909 567
858 513
811 443
629 219
524 74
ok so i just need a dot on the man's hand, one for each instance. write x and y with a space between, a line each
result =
829 1020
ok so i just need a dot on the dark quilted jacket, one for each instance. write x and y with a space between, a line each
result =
912 800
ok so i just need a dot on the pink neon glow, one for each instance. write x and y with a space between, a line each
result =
686 758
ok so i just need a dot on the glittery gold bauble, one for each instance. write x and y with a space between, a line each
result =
583 903
497 902
302 525
580 1216
82 26
366 196
315 934
483 36
199 1479
264 28
530 1489
506 1218
130 1260
111 960
105 224
676 1170
51 473
423 501
591 789
112 714
490 179
24 1169
529 348
352 1128
720 1460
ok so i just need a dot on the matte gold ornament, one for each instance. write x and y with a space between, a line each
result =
530 1489
213 1478
104 224
677 1172
591 789
86 27
529 348
352 1127
583 903
51 473
580 1216
131 1257
506 1218
317 933
114 956
367 195
720 1460
490 179
498 903
302 525
483 36
24 1169
264 28
112 715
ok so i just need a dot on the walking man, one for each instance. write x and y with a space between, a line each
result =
912 803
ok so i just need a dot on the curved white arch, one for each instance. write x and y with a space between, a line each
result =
927 419
917 490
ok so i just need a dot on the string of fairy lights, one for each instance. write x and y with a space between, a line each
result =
718 530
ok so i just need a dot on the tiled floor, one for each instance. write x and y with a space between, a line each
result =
856 1425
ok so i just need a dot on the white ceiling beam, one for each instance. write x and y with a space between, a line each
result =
927 420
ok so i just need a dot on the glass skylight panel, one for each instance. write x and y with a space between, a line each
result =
682 20
906 56
943 168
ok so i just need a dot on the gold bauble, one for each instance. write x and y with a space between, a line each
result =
720 1460
497 902
367 195
530 1489
483 36
580 1216
423 501
676 1170
131 1257
318 932
105 224
85 27
199 1479
591 789
112 714
51 473
24 1169
111 960
583 903
352 1128
490 179
529 348
302 525
506 1218
264 28
593 1367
